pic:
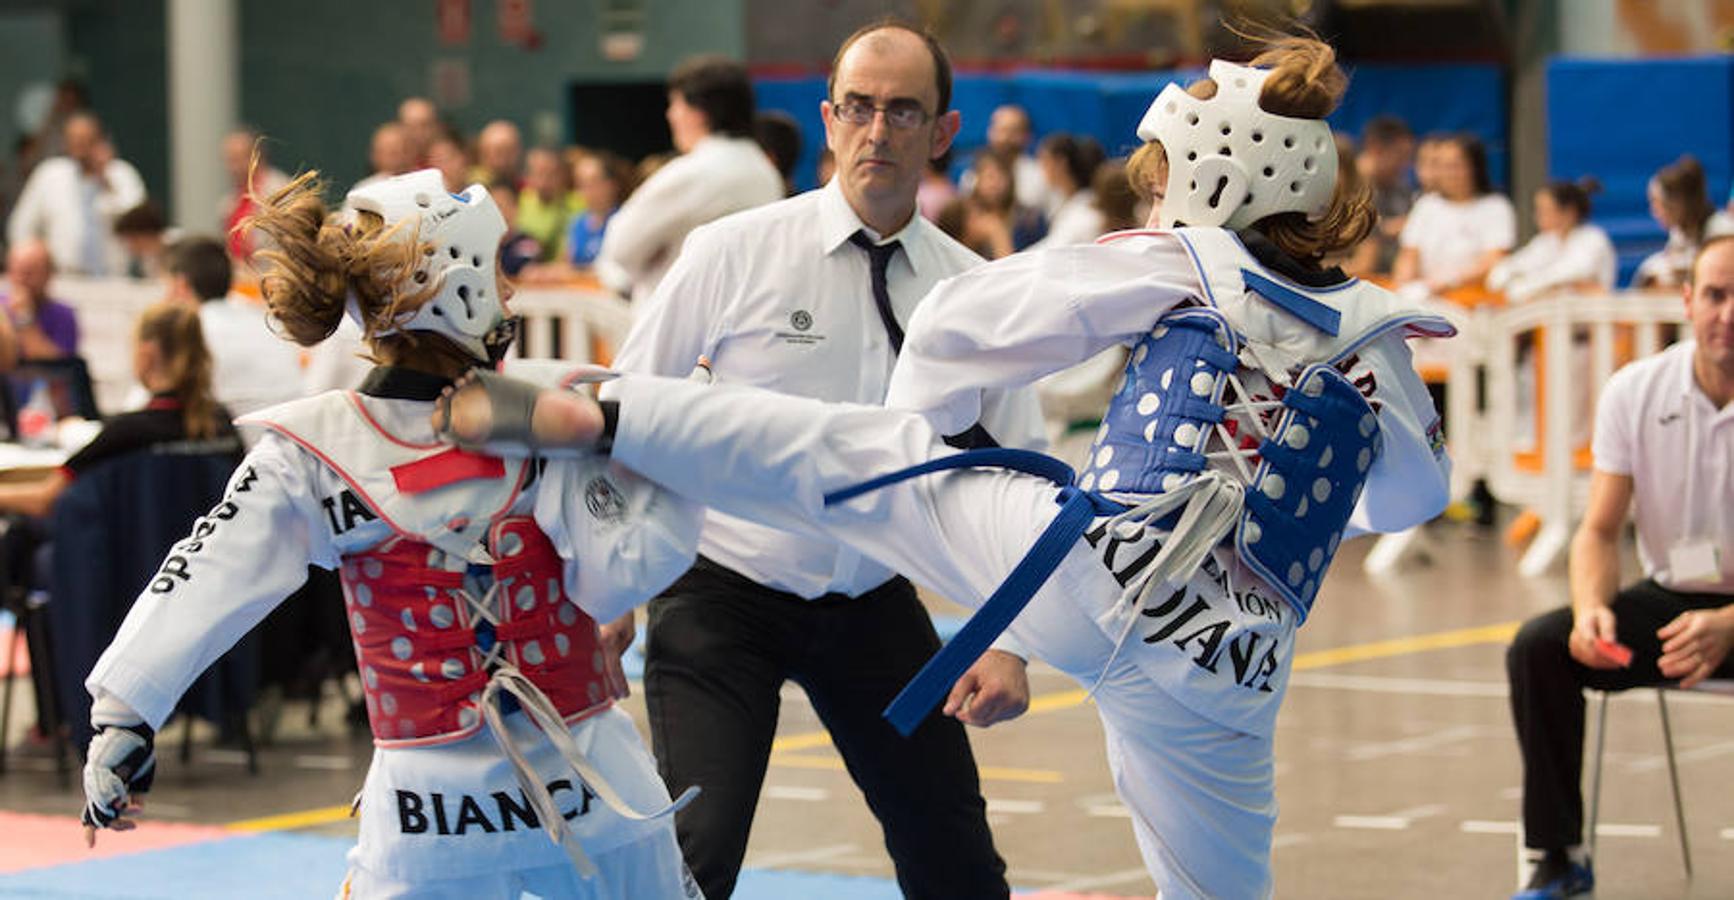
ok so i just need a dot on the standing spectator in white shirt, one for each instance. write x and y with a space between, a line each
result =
1567 251
1663 440
808 296
721 170
251 367
1070 163
71 201
1454 237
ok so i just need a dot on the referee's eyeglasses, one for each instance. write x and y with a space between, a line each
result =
903 115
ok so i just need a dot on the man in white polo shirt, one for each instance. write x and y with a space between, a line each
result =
808 296
1665 439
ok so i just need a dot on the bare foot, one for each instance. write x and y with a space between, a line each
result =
489 410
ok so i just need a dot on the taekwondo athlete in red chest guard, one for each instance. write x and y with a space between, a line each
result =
472 583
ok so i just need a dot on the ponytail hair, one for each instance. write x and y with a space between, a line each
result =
1305 83
320 261
174 329
1574 195
1685 193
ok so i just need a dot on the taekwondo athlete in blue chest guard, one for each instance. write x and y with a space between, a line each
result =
1269 408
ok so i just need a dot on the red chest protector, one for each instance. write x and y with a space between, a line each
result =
425 645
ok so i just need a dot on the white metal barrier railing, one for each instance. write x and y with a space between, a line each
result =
572 323
1582 339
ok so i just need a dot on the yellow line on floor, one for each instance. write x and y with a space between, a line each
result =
1464 637
304 819
1055 700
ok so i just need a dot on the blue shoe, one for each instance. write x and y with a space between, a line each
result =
1557 877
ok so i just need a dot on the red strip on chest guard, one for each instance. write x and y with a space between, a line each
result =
445 468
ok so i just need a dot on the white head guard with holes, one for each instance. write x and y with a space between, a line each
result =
464 231
1230 163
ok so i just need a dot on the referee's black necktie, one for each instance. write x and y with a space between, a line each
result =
878 257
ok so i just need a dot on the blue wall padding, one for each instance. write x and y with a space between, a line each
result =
1467 97
1108 106
1621 120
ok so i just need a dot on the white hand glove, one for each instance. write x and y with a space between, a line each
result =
120 765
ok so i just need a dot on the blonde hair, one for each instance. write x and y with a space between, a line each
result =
1304 83
320 261
174 329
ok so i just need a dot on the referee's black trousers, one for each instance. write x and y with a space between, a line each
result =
720 648
1547 701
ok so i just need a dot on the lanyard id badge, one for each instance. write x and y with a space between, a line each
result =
1695 560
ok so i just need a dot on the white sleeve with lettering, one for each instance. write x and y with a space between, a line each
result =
1008 323
1410 481
240 560
623 538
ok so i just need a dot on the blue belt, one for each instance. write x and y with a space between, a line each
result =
1077 509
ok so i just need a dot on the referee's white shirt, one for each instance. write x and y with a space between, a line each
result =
1655 424
777 297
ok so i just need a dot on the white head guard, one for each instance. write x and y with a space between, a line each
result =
464 231
1230 163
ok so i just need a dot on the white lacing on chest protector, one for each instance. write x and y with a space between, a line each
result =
1210 504
506 678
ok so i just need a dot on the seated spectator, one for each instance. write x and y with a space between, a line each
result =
517 249
144 236
446 153
420 119
826 167
1387 151
995 224
1679 202
1427 164
44 327
605 180
1009 133
1677 623
387 155
1069 164
1567 251
250 175
1455 237
1115 199
252 367
547 203
499 155
170 359
936 189
780 137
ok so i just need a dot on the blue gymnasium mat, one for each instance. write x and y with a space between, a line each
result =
270 866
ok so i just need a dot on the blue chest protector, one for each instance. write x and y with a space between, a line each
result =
1310 471
1287 522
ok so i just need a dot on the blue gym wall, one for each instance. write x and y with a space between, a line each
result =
1621 120
1469 97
